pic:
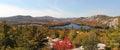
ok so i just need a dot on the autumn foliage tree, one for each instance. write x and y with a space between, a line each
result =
34 38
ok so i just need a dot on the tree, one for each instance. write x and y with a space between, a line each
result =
7 41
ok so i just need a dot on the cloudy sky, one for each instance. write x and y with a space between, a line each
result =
59 8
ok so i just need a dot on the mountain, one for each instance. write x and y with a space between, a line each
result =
99 18
96 20
46 18
17 18
28 19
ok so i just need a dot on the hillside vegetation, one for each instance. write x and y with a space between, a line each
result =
34 37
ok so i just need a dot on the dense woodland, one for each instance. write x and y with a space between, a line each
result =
34 37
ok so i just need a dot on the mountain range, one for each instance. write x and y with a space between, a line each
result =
20 19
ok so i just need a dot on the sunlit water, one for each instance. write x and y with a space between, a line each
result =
74 26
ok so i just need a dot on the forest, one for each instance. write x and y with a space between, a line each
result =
34 37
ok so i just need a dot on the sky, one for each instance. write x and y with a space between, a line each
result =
59 8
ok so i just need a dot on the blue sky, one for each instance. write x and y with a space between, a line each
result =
59 8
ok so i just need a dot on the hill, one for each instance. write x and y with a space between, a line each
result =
95 21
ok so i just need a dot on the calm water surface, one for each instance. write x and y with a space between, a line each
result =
73 26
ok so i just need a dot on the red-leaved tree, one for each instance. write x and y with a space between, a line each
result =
65 44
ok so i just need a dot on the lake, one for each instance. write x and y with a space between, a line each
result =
73 26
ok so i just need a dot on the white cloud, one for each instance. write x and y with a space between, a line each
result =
7 10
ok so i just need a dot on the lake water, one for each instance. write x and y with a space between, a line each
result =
73 26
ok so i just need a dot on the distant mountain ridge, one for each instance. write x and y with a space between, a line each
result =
18 19
95 20
46 18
